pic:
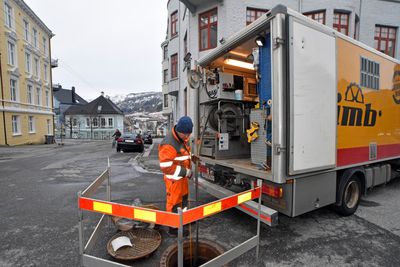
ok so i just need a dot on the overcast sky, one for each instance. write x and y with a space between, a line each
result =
102 45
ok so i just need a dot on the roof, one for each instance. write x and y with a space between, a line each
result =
100 105
64 96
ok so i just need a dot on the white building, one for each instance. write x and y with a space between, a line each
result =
95 120
196 26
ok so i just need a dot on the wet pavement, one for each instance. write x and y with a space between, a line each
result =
38 186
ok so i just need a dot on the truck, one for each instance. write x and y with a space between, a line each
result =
312 112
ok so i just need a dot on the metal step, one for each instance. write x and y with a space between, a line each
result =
268 215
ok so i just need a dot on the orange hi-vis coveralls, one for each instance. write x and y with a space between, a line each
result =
175 163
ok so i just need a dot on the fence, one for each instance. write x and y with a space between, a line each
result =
176 220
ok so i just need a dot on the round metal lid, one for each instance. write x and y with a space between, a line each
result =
144 242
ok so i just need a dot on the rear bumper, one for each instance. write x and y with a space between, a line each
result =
129 146
268 215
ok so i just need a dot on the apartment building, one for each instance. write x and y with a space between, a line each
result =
26 93
196 26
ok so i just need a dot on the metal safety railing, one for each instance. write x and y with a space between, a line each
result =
176 220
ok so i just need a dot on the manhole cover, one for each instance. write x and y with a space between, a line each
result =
144 242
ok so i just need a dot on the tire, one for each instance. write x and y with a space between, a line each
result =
350 197
141 149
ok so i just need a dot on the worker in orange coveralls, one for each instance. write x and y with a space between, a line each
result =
175 162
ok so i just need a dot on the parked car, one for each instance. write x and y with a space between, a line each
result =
130 142
148 139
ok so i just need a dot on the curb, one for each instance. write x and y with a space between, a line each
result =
137 161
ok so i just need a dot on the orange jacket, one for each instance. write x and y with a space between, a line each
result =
174 156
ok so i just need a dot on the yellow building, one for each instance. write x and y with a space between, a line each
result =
26 111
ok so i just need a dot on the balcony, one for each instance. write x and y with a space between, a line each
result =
193 4
54 63
173 87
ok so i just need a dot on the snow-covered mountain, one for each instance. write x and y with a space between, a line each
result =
147 102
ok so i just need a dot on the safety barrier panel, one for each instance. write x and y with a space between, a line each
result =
176 220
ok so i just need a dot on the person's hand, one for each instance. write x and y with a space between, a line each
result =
195 159
189 173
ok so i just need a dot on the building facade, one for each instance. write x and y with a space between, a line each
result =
26 95
63 99
196 26
95 120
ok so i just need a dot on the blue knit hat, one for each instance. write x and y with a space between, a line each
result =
184 125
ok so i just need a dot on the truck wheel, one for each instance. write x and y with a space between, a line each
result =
350 197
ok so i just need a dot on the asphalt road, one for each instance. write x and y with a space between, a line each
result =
38 211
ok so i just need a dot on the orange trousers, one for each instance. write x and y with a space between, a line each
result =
177 191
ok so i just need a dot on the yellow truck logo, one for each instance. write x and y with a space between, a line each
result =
356 113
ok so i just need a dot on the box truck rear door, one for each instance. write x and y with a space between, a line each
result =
312 97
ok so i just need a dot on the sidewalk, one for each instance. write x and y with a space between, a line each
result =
149 160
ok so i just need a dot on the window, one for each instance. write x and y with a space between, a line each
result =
318 16
45 73
165 100
8 14
28 62
185 47
47 94
174 22
36 68
87 122
74 122
165 76
110 122
165 52
11 54
38 96
95 124
103 122
16 129
174 66
48 127
341 22
369 74
26 30
29 94
45 46
35 37
385 39
208 26
31 124
253 14
13 90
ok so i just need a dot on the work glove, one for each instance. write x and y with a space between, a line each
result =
189 173
195 159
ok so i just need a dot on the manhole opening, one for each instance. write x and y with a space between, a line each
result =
207 251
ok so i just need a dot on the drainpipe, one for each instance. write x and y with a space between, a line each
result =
359 22
2 101
300 6
51 88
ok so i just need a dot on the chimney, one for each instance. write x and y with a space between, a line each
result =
73 94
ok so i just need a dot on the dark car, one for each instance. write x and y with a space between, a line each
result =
130 142
148 139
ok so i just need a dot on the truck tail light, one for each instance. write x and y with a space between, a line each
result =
272 191
203 169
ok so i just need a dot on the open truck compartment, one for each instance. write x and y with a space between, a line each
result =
276 102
